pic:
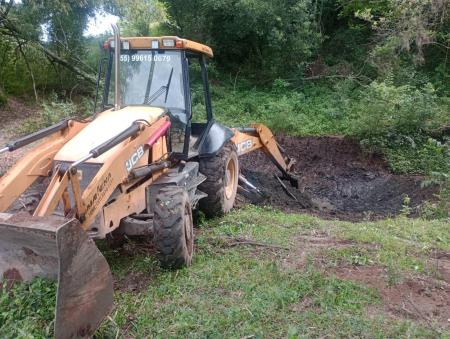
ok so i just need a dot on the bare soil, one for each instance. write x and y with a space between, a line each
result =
311 246
337 180
140 280
421 298
11 118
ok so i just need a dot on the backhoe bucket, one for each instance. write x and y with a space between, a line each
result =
57 248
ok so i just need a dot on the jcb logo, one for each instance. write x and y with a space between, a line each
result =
134 158
244 146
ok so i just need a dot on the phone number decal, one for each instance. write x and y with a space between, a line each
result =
144 58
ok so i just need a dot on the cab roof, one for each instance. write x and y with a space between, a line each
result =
162 42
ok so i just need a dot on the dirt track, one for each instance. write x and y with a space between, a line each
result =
336 178
11 117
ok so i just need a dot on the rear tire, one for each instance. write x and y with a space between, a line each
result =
222 175
173 227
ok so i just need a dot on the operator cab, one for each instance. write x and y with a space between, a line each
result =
155 71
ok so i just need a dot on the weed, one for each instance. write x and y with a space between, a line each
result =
422 155
393 274
55 110
440 209
27 310
386 110
354 255
309 111
389 119
406 208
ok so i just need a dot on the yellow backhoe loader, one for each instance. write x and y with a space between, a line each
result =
138 167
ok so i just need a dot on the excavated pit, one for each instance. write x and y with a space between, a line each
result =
337 180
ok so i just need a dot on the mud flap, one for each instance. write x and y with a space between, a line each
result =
57 248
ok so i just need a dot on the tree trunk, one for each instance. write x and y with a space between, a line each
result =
3 98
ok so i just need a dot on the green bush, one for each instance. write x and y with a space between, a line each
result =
311 110
394 120
55 110
418 156
388 111
397 121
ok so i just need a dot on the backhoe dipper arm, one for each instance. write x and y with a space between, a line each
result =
38 161
258 136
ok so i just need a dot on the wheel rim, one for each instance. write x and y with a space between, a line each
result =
188 231
230 178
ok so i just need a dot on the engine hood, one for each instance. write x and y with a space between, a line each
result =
107 125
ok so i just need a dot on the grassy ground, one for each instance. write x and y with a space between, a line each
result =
259 273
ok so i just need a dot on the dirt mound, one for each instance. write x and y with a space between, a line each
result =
337 178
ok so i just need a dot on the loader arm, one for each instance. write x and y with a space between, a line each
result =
258 136
113 175
38 162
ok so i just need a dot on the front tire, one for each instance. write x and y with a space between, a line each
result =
222 175
173 228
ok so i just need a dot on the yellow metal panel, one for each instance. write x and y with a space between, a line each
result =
107 125
146 43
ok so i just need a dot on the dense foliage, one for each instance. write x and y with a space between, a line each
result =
406 41
269 37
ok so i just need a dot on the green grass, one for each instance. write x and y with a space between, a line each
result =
27 310
249 291
236 296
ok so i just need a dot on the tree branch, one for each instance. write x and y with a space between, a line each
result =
86 76
15 32
8 8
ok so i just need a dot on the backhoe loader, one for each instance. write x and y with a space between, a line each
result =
137 167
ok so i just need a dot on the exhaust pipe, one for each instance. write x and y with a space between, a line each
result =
117 47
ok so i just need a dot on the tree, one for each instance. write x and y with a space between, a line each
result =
268 37
141 17
21 34
415 27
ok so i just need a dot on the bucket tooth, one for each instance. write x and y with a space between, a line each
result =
57 248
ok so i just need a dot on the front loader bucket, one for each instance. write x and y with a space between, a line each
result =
57 248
